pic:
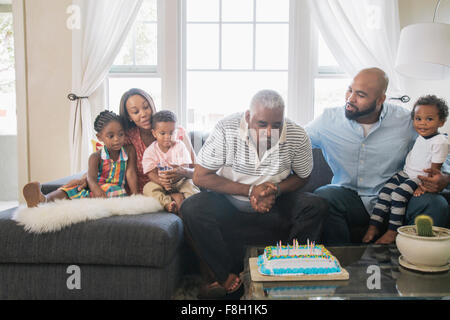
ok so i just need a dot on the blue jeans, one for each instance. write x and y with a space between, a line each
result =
347 214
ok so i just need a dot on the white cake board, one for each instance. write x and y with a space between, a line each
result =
256 276
408 265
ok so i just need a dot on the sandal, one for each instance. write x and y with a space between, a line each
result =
212 291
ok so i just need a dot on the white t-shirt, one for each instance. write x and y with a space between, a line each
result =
424 153
366 128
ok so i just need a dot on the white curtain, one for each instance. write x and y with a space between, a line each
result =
104 25
361 34
302 64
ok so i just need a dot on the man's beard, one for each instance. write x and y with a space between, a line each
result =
358 114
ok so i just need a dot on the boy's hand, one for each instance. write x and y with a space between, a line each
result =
419 191
173 175
165 180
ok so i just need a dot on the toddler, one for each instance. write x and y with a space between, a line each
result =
166 154
108 169
429 151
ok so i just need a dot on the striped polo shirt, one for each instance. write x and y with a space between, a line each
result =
231 152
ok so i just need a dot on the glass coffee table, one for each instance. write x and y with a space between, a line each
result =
374 272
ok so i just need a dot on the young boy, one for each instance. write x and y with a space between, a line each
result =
165 154
429 151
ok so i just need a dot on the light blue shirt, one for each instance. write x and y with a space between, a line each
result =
446 169
359 163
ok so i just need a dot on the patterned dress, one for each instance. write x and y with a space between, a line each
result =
111 177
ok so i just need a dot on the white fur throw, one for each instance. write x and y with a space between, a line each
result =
54 216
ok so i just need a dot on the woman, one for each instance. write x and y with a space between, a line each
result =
136 109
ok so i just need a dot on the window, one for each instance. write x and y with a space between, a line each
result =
233 48
8 122
136 65
330 83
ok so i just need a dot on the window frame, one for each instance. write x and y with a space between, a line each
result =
142 71
7 8
182 108
172 60
329 72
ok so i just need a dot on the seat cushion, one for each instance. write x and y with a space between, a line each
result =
321 173
140 240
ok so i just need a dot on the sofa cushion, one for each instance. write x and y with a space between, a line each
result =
321 173
141 240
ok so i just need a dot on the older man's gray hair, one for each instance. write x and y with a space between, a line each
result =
269 99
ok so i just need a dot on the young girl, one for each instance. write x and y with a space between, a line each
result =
108 168
164 155
429 151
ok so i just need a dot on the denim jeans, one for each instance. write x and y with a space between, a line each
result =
348 213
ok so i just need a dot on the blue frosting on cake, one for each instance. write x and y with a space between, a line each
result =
296 271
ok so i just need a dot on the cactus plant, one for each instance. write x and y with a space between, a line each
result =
424 225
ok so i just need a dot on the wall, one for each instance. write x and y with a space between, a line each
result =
43 72
420 11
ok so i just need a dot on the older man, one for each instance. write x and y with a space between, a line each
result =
253 163
365 143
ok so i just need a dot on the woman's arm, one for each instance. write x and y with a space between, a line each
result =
92 175
131 173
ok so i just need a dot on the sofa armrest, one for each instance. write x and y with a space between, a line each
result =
50 186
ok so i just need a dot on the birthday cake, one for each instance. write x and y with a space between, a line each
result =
295 259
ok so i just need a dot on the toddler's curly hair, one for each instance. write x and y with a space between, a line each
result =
163 116
432 100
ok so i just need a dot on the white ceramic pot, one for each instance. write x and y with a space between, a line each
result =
425 251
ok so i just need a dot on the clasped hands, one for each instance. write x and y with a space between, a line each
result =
262 197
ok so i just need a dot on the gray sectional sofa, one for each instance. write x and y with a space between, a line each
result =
122 257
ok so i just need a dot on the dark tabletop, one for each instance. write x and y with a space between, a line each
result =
374 272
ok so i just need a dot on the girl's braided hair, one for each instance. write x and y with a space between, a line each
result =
104 118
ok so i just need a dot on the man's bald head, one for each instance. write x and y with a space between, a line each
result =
376 77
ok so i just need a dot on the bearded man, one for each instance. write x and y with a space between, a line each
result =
365 143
